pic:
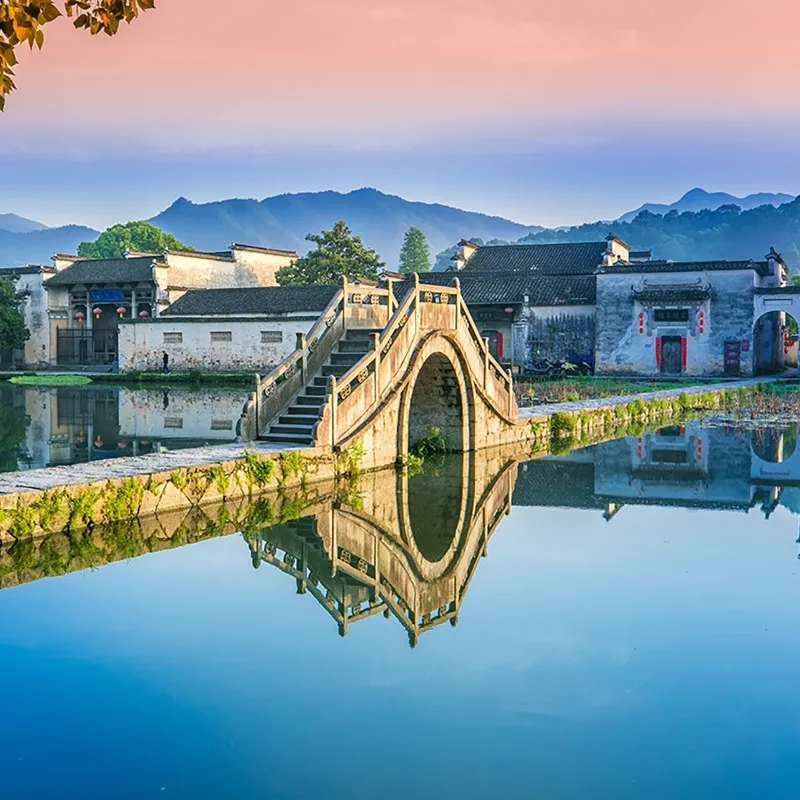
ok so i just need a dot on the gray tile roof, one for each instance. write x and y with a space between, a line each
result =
259 300
762 267
777 290
583 258
105 270
673 292
491 288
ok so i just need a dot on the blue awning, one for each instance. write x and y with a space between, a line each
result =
106 296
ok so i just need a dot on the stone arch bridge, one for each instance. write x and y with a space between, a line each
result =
383 366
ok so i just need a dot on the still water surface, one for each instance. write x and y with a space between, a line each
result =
621 622
45 427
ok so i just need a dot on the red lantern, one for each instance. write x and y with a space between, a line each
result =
144 314
97 311
122 445
508 310
98 442
80 316
121 311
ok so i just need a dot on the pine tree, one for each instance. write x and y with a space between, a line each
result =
338 253
415 255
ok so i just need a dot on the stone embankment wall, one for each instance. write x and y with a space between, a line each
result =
37 502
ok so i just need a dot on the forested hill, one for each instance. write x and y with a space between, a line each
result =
727 232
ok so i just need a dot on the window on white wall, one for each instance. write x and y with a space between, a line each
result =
271 337
173 422
221 424
173 338
221 336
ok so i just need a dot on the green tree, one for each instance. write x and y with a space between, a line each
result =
21 22
141 236
415 255
338 253
13 333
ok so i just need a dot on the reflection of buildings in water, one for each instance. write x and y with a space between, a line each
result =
392 552
691 465
69 425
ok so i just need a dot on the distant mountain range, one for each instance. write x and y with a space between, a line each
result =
725 233
700 200
284 220
681 230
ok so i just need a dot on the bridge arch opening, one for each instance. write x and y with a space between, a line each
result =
774 343
436 404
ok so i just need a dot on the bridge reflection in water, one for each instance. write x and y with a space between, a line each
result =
407 548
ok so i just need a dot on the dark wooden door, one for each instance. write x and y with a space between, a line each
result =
671 355
733 358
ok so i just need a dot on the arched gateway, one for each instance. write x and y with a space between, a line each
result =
383 366
776 312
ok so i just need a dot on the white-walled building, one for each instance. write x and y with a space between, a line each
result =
224 330
74 308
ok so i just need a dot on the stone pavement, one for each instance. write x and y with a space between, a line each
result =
108 469
547 410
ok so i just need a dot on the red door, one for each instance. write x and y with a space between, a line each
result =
495 343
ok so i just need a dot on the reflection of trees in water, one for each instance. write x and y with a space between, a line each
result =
774 443
13 429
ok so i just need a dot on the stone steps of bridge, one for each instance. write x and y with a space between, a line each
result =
285 438
296 424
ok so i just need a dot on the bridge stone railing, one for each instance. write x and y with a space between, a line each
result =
355 306
426 308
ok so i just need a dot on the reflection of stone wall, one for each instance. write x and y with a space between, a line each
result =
183 413
722 476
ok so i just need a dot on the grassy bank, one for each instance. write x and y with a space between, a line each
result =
536 391
568 430
50 380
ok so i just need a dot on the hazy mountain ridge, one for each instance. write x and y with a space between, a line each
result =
13 223
700 200
284 220
36 247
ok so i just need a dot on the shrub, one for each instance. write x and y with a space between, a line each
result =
562 423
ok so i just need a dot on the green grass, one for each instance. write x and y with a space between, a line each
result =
535 392
50 380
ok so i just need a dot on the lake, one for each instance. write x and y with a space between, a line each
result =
47 427
618 622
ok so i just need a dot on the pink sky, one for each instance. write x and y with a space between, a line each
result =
364 71
547 112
